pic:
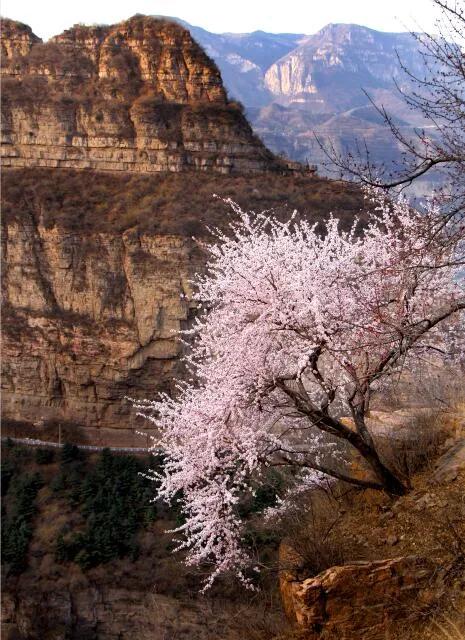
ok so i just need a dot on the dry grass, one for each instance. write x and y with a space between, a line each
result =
181 204
311 529
418 447
445 626
448 629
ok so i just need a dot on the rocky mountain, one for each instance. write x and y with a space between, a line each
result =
244 58
138 96
330 69
97 265
123 116
318 86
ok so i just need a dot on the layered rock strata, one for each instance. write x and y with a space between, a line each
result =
97 264
96 276
139 96
89 321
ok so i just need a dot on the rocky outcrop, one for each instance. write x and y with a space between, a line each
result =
140 96
359 600
451 463
109 614
17 40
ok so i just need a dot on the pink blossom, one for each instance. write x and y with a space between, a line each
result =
302 327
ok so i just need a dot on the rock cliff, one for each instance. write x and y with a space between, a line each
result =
89 320
97 264
96 279
138 96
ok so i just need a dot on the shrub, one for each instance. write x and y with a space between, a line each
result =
44 456
17 526
70 476
115 501
70 452
418 446
9 468
310 529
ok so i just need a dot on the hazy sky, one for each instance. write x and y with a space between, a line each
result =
49 17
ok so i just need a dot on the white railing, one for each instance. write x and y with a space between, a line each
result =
34 442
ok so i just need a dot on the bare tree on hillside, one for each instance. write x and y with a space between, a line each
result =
439 96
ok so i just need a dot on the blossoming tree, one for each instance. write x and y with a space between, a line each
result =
299 328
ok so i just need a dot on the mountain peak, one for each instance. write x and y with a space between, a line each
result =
17 38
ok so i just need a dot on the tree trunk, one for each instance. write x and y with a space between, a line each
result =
391 484
388 481
366 448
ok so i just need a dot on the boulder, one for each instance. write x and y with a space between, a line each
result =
450 463
360 600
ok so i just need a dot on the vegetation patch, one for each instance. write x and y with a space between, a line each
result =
115 500
17 518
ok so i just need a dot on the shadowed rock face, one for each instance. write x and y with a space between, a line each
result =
140 96
88 321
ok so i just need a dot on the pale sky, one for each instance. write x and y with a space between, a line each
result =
50 17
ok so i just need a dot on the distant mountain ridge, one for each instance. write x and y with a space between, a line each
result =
295 85
337 62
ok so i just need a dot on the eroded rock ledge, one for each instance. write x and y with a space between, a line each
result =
139 96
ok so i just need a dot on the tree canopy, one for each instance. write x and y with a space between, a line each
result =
300 326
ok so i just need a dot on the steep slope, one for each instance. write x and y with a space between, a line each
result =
139 96
244 58
96 277
146 593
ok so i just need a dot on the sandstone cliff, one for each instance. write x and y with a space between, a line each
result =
89 320
96 278
139 96
97 264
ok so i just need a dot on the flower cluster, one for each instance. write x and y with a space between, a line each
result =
299 326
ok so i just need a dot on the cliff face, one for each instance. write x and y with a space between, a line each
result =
17 40
96 281
91 320
139 96
88 320
97 264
